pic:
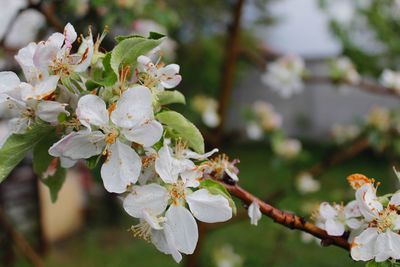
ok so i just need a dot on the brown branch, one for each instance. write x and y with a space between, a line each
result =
261 57
364 85
21 242
287 219
228 68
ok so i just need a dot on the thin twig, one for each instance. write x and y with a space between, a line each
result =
286 219
228 68
21 242
338 156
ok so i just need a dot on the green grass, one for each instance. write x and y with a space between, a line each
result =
268 244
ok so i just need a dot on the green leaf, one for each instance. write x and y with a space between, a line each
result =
55 182
382 264
17 145
171 97
182 128
152 36
128 50
93 161
42 161
216 188
41 157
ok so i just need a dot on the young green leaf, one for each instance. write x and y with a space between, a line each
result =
171 97
17 145
55 182
182 128
128 50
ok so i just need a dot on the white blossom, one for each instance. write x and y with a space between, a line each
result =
391 79
254 213
284 76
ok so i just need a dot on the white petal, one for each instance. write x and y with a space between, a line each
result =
49 111
352 210
334 228
254 213
10 107
92 111
231 174
151 197
25 60
395 200
67 163
368 202
327 211
85 54
183 228
164 166
164 242
79 145
19 125
354 223
363 246
146 134
193 155
70 35
387 246
40 90
9 81
209 208
133 108
191 178
121 169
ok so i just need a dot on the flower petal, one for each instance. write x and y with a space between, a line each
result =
164 241
395 199
133 108
92 110
254 213
79 145
387 246
152 198
49 111
334 228
209 208
363 246
70 35
183 228
9 82
40 90
121 169
164 167
327 211
146 134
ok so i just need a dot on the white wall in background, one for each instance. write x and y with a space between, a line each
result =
302 28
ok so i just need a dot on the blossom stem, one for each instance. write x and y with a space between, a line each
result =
286 219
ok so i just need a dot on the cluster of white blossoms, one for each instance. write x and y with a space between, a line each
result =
207 107
263 118
344 133
287 148
111 107
342 69
285 76
391 79
306 183
379 118
371 222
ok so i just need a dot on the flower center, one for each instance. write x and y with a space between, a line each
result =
141 230
386 219
177 192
